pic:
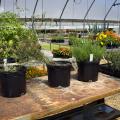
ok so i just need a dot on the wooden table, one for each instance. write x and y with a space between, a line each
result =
42 101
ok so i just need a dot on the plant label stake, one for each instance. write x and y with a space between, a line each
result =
5 65
91 57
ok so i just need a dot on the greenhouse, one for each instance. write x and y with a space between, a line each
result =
59 59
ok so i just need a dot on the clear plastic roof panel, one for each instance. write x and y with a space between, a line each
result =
75 9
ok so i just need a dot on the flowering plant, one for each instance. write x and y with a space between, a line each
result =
62 52
33 72
108 37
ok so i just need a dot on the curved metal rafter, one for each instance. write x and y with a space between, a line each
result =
62 12
87 13
109 12
89 9
116 4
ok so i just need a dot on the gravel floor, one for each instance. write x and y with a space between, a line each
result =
114 101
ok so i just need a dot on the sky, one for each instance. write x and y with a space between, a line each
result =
53 8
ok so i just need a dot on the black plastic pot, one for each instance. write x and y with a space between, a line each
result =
107 69
59 74
88 71
61 56
13 84
1 61
112 46
9 60
57 41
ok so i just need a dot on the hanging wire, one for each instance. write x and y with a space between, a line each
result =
84 23
42 11
87 16
87 8
16 3
117 12
73 11
4 4
13 7
25 11
118 18
105 9
105 6
17 8
33 17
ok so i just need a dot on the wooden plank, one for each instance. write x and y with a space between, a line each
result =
42 100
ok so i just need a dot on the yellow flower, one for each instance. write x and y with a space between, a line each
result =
102 43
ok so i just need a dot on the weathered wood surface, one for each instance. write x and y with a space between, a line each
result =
42 100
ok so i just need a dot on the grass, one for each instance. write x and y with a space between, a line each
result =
46 46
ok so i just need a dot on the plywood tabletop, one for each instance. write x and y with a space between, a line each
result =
42 100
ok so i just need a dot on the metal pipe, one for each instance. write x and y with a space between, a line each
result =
56 20
87 14
109 12
89 9
62 13
116 4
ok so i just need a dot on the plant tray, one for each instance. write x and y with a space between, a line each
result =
93 112
109 71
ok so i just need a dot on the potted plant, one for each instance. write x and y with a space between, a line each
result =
10 27
57 39
88 55
59 73
112 67
72 37
21 43
62 52
12 79
108 38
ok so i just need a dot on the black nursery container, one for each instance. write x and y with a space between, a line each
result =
109 70
88 71
9 60
59 74
13 84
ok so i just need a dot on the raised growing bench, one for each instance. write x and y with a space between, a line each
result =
45 103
